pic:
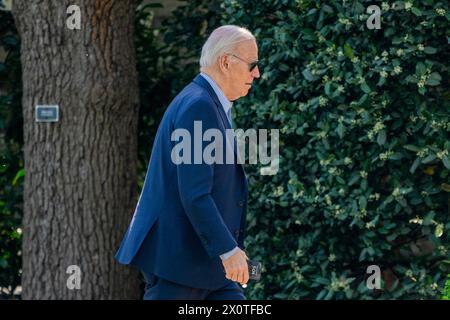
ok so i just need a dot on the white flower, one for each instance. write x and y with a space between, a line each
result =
396 193
442 154
348 161
420 47
422 153
397 70
408 5
400 52
375 196
345 21
378 126
323 134
440 11
385 155
323 101
385 53
370 225
279 191
384 74
363 174
332 170
385 6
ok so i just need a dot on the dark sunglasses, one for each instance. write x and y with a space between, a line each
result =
251 65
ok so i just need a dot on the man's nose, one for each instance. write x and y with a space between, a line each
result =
255 72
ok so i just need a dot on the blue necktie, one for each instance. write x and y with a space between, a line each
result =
229 117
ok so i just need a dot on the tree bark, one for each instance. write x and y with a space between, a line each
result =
80 173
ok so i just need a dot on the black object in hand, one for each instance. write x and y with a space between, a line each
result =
254 269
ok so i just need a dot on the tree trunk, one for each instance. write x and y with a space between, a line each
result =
80 172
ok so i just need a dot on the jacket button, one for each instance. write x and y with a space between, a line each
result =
241 203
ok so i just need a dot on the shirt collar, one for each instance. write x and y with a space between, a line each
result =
226 104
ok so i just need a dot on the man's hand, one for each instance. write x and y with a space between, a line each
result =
236 268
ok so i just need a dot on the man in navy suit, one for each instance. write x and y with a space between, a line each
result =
187 232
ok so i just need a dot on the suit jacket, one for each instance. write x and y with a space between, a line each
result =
188 214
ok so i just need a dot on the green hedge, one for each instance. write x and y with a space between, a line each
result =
11 157
364 169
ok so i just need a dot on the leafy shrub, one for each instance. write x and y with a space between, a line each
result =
446 295
11 157
364 152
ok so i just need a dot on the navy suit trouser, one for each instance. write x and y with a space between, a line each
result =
160 289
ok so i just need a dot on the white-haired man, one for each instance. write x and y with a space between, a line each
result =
187 232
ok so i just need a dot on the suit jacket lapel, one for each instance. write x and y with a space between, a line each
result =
204 84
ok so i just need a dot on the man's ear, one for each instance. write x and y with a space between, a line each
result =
224 62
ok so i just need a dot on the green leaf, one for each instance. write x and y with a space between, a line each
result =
3 263
340 130
364 87
353 180
381 81
428 218
363 99
415 164
327 88
381 138
422 90
308 75
321 294
322 280
20 174
446 162
411 147
420 69
428 159
434 79
416 11
327 8
308 34
348 51
397 40
396 156
430 50
362 202
330 294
